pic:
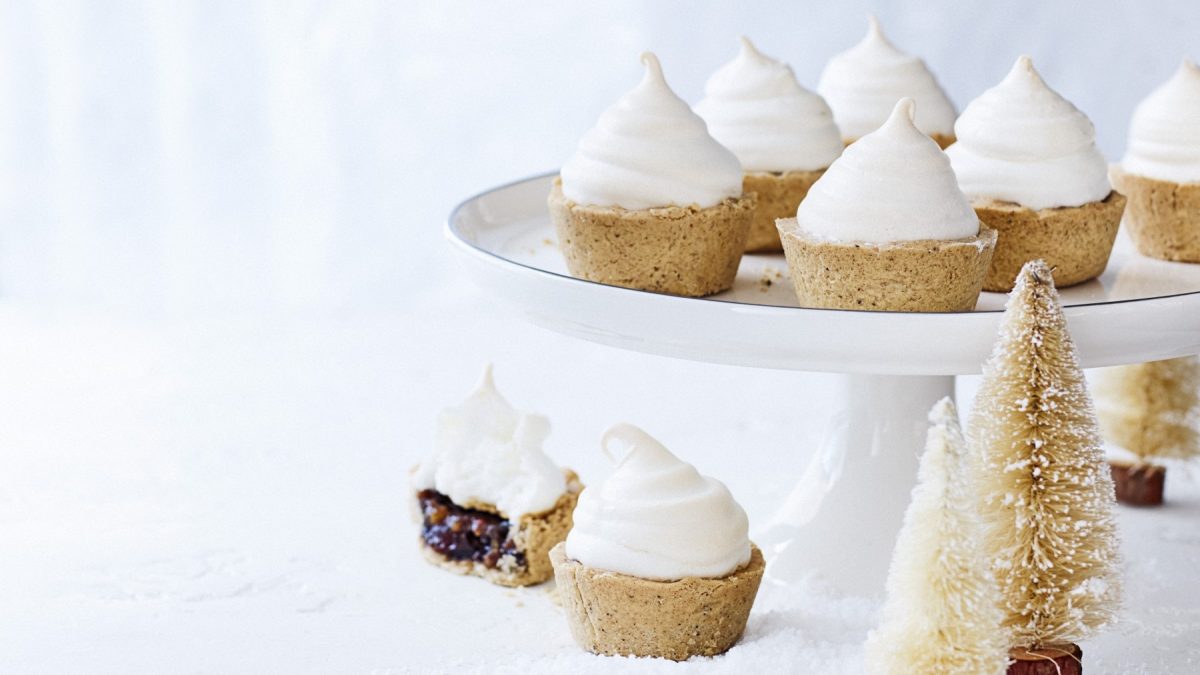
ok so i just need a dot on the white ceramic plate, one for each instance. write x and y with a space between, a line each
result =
1140 309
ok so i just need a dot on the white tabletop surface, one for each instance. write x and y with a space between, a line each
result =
228 496
227 321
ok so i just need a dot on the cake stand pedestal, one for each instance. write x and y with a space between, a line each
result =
841 518
840 521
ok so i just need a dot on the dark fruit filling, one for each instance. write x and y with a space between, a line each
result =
465 534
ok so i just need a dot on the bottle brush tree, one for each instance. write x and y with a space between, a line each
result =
1046 496
942 613
1152 410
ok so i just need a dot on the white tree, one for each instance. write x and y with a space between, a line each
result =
942 615
1045 489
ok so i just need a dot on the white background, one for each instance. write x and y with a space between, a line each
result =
227 319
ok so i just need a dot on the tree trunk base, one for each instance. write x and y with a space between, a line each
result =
1053 660
1138 484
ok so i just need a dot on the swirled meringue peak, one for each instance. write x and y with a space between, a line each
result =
755 107
863 83
1022 142
657 518
1164 137
894 184
650 150
487 451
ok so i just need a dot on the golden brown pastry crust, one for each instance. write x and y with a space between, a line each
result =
910 276
1163 218
679 250
779 195
1074 241
617 614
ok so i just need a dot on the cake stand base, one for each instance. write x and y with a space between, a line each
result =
840 521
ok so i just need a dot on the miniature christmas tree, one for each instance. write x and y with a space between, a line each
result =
1045 490
942 613
1153 411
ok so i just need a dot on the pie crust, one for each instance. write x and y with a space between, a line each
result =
618 614
779 195
1163 218
1074 241
678 250
926 275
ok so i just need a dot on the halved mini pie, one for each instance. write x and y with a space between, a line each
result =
490 502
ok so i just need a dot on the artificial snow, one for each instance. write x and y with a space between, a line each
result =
228 496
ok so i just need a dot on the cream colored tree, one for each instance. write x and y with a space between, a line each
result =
1151 410
1046 497
942 614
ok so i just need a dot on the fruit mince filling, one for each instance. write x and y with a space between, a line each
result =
465 534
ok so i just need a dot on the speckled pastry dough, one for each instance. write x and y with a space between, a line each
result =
681 250
618 614
1163 218
1075 242
778 196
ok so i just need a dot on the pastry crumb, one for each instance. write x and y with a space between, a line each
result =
769 277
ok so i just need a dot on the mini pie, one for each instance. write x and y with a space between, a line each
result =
618 614
887 228
659 562
490 502
650 200
1027 159
475 539
1160 173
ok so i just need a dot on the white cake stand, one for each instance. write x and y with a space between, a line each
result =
840 521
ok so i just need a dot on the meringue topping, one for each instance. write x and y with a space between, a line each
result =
657 518
1164 137
863 83
894 184
755 107
1022 142
650 150
485 451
